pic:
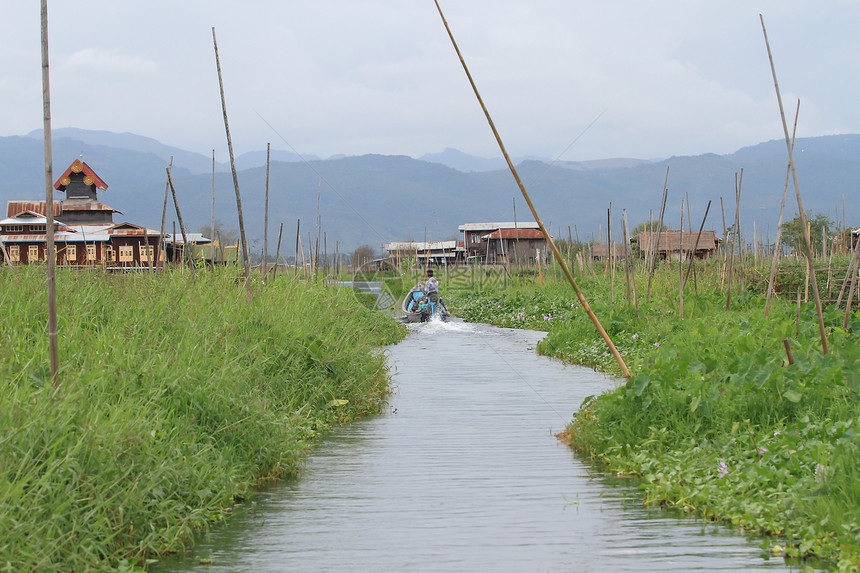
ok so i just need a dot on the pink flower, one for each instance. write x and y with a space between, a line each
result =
722 469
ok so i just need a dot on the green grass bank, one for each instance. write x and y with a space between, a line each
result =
715 419
176 398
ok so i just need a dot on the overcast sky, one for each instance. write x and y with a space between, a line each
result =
380 76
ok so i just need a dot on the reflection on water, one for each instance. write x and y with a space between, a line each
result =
462 473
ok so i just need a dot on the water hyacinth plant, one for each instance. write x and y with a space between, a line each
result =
716 418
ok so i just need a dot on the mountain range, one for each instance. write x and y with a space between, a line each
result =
374 199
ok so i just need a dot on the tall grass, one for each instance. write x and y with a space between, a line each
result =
176 397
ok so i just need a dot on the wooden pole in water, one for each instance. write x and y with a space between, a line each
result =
807 240
774 267
546 234
245 252
50 247
264 264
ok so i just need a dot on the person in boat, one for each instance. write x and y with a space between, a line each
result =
431 289
417 293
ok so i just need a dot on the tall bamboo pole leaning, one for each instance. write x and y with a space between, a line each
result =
696 244
807 240
525 194
162 254
181 223
656 252
264 264
245 253
776 245
50 247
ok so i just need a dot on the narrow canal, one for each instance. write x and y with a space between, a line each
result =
462 473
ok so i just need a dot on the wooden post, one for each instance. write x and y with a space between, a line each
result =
162 252
278 252
807 240
659 232
776 246
546 234
788 351
50 247
245 252
298 242
264 264
181 224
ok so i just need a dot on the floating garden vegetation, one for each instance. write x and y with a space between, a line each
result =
716 418
175 398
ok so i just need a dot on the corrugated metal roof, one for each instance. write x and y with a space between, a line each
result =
515 234
85 205
17 207
671 240
495 226
420 246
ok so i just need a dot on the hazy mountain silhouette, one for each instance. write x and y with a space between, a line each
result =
374 199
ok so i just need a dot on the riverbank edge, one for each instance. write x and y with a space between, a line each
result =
147 440
644 340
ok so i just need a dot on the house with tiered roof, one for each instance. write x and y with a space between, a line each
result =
84 230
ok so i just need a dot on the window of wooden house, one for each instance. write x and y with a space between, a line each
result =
33 253
38 228
91 252
110 254
126 253
15 253
71 253
147 254
14 228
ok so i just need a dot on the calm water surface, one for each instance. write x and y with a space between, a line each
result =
462 473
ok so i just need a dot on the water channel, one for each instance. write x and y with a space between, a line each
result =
463 473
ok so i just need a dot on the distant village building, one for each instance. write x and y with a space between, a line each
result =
438 253
84 231
601 252
671 243
478 236
512 246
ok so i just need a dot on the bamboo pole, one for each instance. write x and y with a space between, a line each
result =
659 232
731 259
546 234
738 229
245 253
298 242
681 262
774 267
212 227
50 247
852 268
807 240
278 252
696 244
161 243
181 224
265 263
